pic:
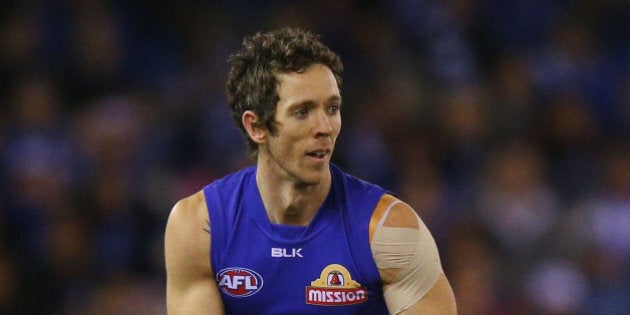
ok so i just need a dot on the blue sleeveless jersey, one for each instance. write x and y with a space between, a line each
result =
324 268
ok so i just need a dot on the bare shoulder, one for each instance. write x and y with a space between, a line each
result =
187 236
390 211
192 207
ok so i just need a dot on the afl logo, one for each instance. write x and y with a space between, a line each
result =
239 282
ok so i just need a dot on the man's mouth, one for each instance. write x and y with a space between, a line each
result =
318 153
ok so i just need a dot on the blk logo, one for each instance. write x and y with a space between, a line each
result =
239 282
284 252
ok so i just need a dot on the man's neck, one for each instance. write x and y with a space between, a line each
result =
287 201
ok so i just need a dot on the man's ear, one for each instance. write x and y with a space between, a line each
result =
250 121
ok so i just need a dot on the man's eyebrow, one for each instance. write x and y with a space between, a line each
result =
307 103
310 103
335 98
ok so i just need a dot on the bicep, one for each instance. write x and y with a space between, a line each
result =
409 264
408 261
190 284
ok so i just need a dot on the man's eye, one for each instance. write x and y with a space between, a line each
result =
301 112
333 109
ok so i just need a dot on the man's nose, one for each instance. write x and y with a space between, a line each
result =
323 125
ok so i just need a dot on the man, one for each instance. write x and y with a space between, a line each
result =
295 234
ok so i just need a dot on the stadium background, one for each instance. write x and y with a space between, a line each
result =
505 123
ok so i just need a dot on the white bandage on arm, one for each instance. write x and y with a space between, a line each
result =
414 253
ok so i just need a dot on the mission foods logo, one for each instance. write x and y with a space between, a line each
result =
335 287
239 282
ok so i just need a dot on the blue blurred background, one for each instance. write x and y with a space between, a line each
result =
506 125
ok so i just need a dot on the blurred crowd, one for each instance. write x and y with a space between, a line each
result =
505 123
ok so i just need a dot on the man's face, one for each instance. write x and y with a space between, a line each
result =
308 122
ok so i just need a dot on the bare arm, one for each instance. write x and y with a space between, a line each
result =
190 284
408 261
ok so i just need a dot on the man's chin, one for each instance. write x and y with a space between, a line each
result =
314 175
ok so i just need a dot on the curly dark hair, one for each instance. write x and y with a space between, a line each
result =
253 77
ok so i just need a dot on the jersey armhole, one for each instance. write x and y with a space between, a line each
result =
215 226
